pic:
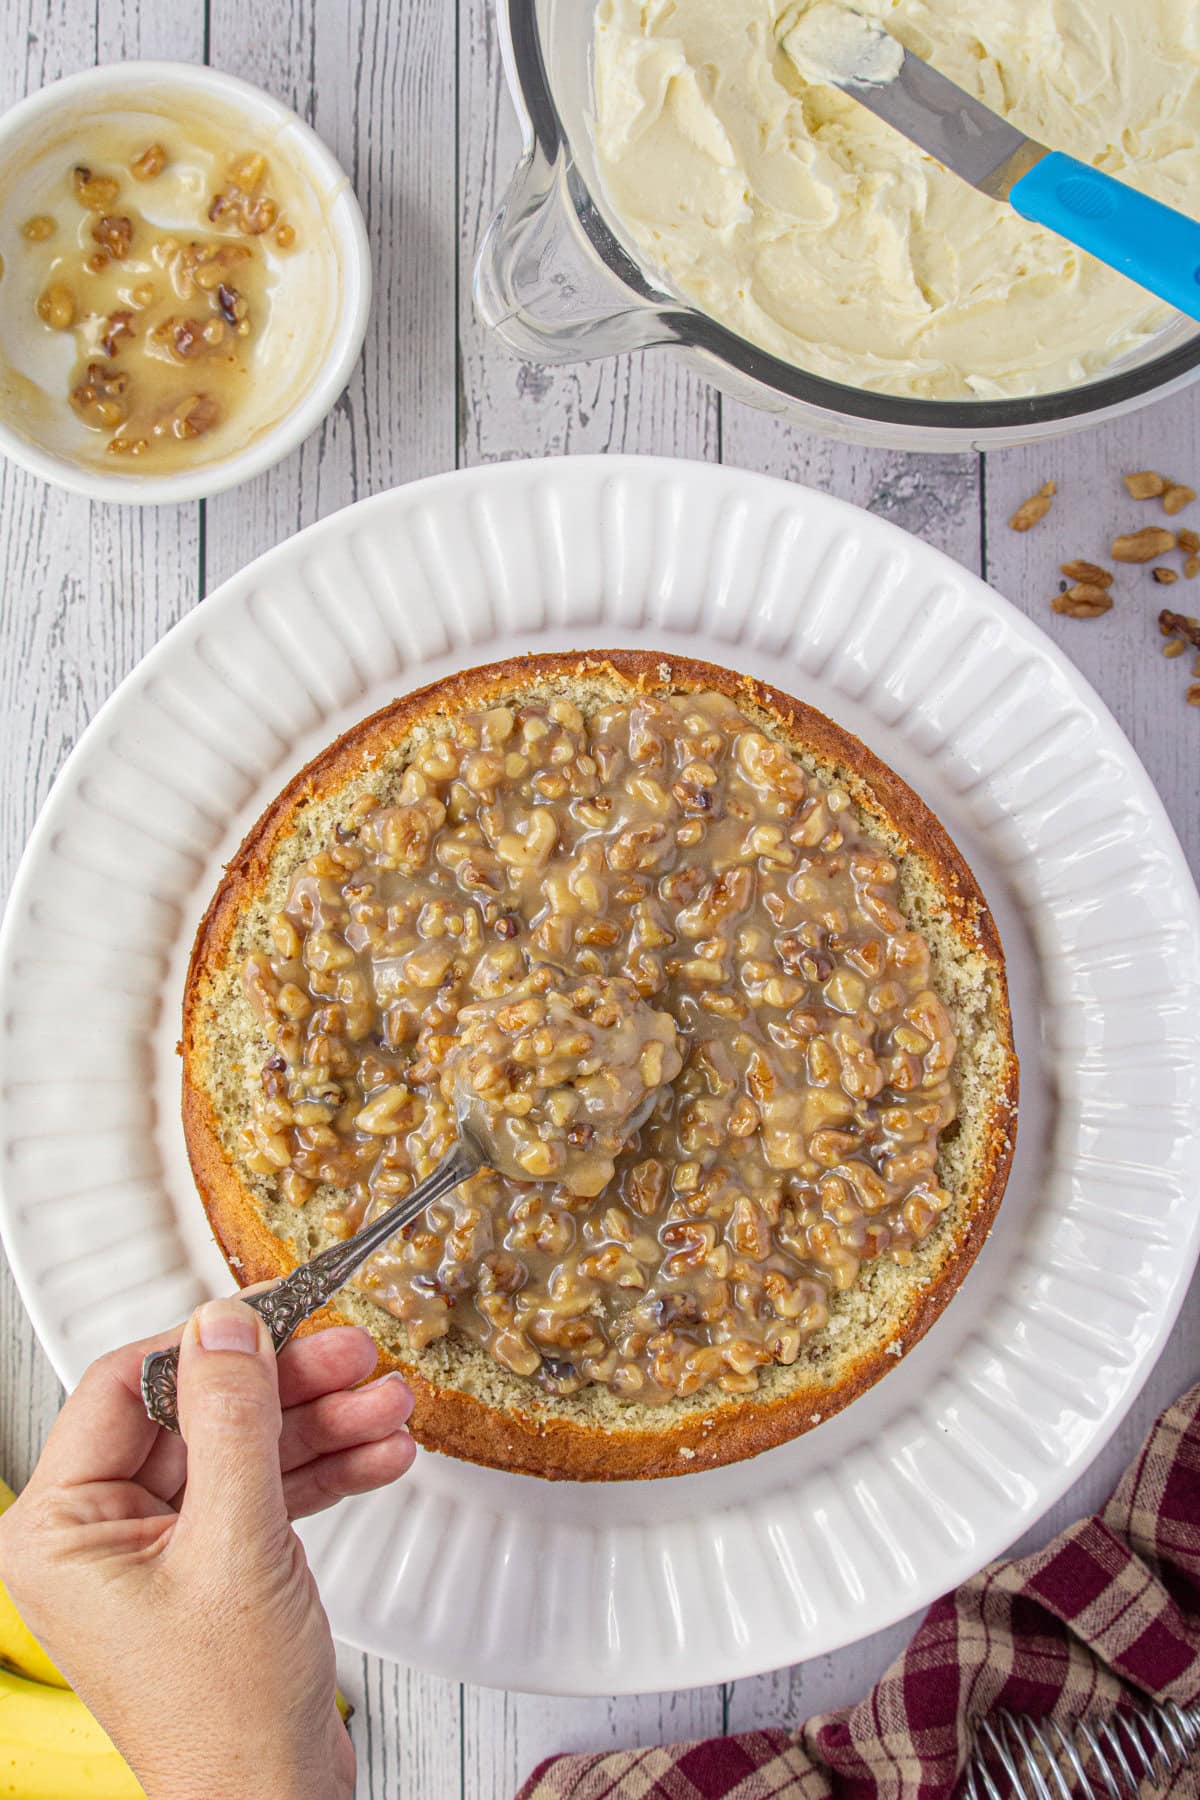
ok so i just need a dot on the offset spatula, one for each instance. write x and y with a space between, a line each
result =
1148 242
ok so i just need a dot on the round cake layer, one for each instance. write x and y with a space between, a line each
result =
814 1184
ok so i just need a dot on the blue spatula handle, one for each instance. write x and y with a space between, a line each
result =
1146 241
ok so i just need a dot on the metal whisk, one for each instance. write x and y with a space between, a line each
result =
1019 1758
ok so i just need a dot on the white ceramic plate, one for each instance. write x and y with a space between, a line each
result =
569 1588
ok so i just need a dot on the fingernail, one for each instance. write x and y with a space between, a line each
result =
227 1325
395 1375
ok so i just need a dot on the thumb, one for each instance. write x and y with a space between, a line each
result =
230 1419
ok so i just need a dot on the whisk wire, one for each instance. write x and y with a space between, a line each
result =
1113 1760
1111 1734
1052 1768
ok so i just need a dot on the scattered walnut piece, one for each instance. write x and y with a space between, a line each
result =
1196 666
1035 508
38 229
1145 484
1191 568
1081 570
1189 540
1193 694
1183 625
1143 546
1165 576
1177 497
1083 601
1173 647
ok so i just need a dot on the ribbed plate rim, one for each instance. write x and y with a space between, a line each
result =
593 473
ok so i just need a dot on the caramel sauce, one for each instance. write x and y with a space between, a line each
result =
669 848
165 320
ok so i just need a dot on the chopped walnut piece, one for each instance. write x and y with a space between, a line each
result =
1182 625
183 340
1173 647
1145 484
1083 601
200 266
151 162
1164 576
234 306
1177 497
39 228
95 192
1191 568
99 399
190 419
118 326
1143 546
114 233
1193 694
241 206
1035 508
1091 572
56 307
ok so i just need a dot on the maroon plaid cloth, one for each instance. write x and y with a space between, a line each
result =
1108 1612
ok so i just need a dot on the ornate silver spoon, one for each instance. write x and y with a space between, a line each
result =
307 1289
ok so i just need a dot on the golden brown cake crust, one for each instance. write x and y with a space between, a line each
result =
528 1431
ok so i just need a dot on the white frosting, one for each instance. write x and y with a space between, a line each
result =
783 208
834 43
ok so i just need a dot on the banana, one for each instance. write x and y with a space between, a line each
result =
19 1649
51 1748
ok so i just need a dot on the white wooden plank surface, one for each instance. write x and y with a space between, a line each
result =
511 408
84 592
409 97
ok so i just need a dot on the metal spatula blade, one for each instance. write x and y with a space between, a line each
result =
1150 243
950 124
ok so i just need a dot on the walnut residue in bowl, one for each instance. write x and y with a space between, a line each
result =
165 321
671 845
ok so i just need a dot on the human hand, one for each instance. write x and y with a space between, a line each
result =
163 1576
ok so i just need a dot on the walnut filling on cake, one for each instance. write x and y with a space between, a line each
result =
534 887
552 1081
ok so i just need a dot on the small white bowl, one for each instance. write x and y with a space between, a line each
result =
328 338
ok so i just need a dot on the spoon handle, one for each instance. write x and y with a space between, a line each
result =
1149 242
307 1289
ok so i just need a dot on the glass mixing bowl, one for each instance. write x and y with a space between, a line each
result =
556 279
